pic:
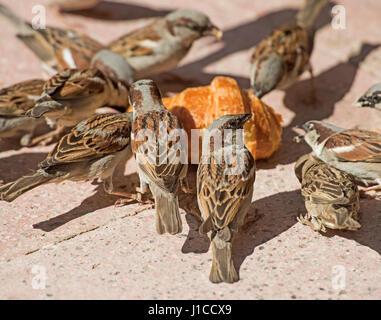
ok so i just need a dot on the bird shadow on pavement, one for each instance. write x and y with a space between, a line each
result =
195 242
277 213
117 11
274 215
16 166
99 200
238 38
331 87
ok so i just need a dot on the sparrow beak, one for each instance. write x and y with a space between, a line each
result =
304 127
243 118
359 102
214 31
246 117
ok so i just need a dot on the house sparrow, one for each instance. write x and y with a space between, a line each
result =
92 150
73 95
72 5
161 45
371 98
357 152
155 158
14 101
58 49
331 195
224 196
280 58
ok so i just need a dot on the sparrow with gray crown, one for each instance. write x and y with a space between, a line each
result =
161 45
152 49
92 150
224 195
371 98
155 157
331 195
280 58
357 152
73 95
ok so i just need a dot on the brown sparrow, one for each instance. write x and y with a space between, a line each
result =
154 154
331 195
73 95
371 98
280 58
357 152
58 49
92 150
73 5
224 190
14 101
161 45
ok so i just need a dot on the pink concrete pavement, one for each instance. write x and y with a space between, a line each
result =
89 249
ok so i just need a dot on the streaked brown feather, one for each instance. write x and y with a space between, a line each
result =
93 138
15 99
72 83
130 45
164 174
289 42
367 145
221 194
82 47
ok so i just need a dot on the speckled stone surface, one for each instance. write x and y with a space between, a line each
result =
89 249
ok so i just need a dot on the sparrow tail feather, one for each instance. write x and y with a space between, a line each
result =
168 217
13 190
223 269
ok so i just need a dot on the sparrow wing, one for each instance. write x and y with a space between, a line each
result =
355 146
291 43
141 42
154 155
18 98
60 48
73 83
323 184
96 137
220 193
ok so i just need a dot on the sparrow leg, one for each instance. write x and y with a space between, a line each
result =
314 225
126 197
250 218
374 188
311 98
47 138
143 188
185 186
26 139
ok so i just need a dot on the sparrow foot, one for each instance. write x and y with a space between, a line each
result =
250 218
185 187
129 197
